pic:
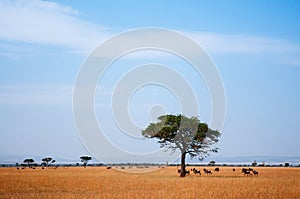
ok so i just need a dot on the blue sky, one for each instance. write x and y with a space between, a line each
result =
255 46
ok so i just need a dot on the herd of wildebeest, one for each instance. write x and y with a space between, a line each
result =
245 171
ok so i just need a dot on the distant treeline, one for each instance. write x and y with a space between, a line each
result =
148 165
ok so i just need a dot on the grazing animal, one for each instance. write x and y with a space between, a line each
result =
207 171
247 171
186 171
196 171
255 172
233 169
217 169
108 167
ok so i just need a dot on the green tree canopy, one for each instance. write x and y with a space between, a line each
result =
189 135
29 161
85 160
47 161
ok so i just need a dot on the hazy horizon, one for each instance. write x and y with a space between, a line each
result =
254 45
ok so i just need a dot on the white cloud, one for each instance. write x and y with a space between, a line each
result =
50 23
238 43
43 22
277 50
13 51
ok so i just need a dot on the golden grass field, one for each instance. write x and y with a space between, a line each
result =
99 182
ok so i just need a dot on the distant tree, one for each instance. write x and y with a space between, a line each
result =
286 164
29 162
188 135
262 164
212 163
85 160
47 161
254 164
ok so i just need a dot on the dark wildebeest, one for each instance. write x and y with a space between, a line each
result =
217 169
186 171
255 172
196 171
246 171
207 171
233 169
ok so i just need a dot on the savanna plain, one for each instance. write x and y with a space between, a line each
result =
100 182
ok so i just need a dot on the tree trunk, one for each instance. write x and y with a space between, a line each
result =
182 166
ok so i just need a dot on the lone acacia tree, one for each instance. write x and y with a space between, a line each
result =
188 135
85 160
47 161
29 162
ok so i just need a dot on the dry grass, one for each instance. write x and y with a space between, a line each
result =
98 182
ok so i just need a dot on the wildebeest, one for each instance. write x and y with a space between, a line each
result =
233 169
207 171
186 171
196 171
108 167
217 169
247 171
255 172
